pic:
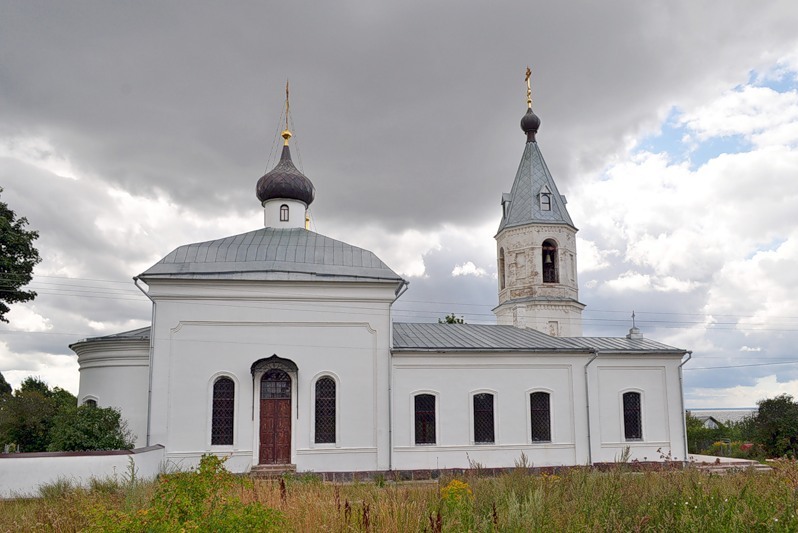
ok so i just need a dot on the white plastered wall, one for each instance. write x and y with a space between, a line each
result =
657 381
511 377
453 378
205 329
115 373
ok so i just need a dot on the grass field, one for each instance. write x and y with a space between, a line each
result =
575 500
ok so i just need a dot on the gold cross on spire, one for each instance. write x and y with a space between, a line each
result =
286 132
528 88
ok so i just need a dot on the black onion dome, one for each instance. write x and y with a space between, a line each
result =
285 181
530 124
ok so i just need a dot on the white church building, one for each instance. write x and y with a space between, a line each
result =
277 349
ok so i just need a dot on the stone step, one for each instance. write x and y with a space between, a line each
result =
271 471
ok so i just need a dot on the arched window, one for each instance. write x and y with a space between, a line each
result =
545 202
551 272
284 213
540 415
425 418
224 393
483 419
90 402
325 410
501 268
632 416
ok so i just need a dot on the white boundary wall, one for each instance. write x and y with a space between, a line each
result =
21 474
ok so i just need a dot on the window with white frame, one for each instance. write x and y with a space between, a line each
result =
223 412
325 410
632 416
540 416
483 418
424 406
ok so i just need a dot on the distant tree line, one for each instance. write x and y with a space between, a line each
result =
36 418
771 432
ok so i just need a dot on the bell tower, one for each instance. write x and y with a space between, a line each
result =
536 247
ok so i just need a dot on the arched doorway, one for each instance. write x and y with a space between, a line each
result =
275 417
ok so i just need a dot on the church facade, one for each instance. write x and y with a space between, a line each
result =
277 349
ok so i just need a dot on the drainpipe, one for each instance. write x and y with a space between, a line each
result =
587 404
400 290
681 395
152 344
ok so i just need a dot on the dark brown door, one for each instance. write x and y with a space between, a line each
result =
275 418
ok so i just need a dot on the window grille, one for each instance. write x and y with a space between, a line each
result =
540 409
284 213
425 419
91 402
223 412
325 410
275 385
483 419
632 417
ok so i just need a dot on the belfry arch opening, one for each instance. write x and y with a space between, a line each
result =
551 271
501 269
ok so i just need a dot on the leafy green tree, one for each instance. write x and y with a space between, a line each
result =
27 416
777 426
89 428
5 388
17 259
451 319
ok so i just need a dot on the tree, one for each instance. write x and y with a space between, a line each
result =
17 259
776 426
5 388
451 319
27 416
89 428
38 419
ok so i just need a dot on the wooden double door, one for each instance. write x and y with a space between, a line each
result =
275 418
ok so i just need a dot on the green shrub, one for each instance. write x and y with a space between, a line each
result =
207 499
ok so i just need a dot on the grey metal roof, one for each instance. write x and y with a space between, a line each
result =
408 336
414 337
269 254
140 334
422 337
524 205
623 345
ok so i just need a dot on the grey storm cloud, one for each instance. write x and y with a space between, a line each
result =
412 106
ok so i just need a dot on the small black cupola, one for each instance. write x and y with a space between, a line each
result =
285 180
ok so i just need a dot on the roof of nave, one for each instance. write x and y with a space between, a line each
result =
272 254
430 337
422 337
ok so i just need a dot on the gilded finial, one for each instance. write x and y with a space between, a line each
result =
528 88
286 132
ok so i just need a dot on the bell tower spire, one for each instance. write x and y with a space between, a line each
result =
536 246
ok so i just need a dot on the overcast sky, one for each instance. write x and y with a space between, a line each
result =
130 128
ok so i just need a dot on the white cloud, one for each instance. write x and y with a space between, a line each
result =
39 152
469 269
764 116
25 318
750 349
741 395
